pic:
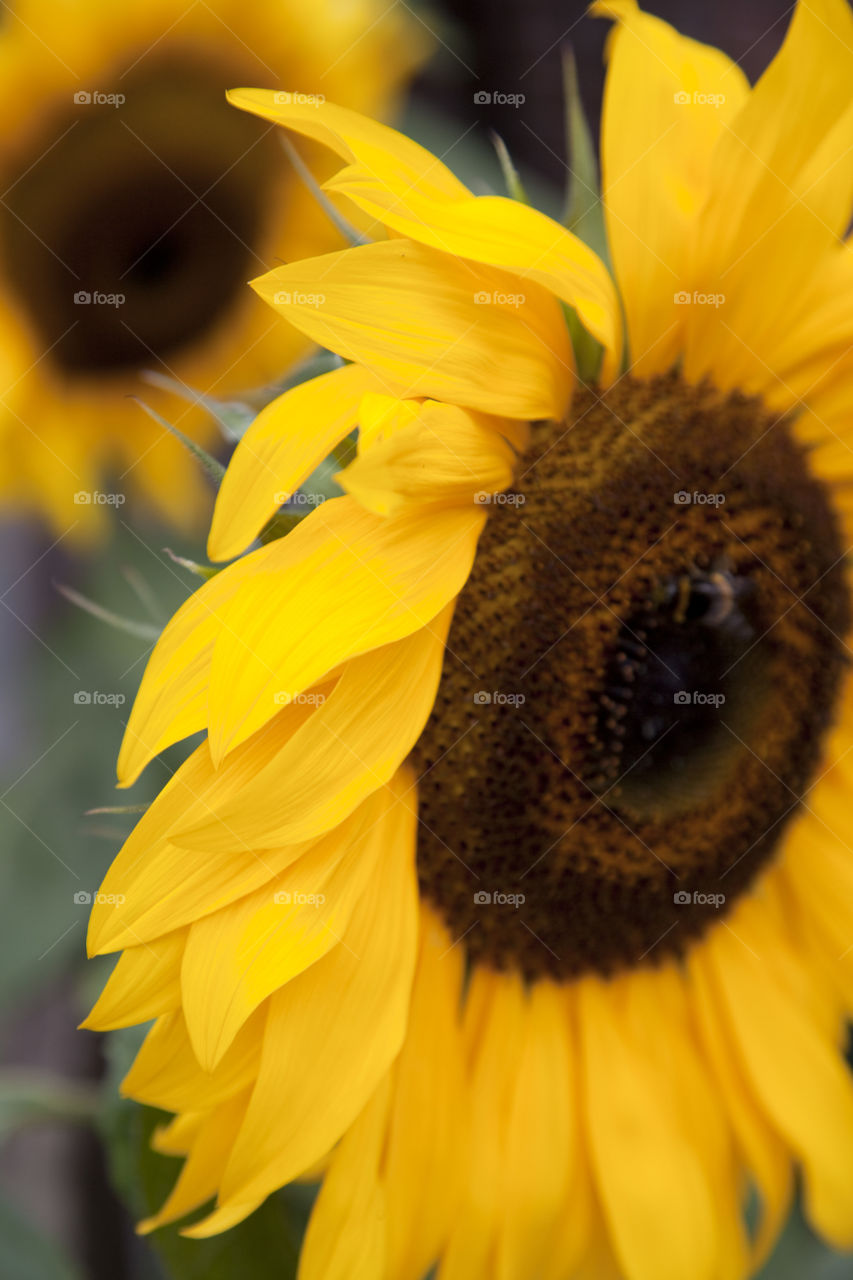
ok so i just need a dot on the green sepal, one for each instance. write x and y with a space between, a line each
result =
514 185
144 630
211 466
584 212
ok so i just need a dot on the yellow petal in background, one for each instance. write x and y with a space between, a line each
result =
494 1024
780 198
667 100
428 1114
632 1127
433 325
762 1151
797 1074
542 1137
346 1236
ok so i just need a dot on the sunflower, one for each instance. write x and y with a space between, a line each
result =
510 890
136 204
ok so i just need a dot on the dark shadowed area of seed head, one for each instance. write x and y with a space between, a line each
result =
638 680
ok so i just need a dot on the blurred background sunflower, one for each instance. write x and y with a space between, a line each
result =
68 428
136 204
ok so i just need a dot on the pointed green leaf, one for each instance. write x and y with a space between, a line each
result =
233 416
205 571
144 630
584 213
212 466
514 185
346 228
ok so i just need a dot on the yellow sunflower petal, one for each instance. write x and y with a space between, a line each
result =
675 1050
476 338
762 1150
346 1232
206 1159
542 1137
818 866
222 1219
176 1137
504 234
411 191
349 134
352 744
172 699
799 1077
166 1074
494 1022
153 886
631 1127
443 454
384 565
781 193
367 581
284 444
238 956
656 161
427 1114
333 1032
145 983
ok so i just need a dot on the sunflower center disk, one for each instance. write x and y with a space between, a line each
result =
130 226
639 675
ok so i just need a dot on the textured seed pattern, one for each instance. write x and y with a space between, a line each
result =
636 687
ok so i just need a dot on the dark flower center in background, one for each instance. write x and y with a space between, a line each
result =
131 226
639 677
